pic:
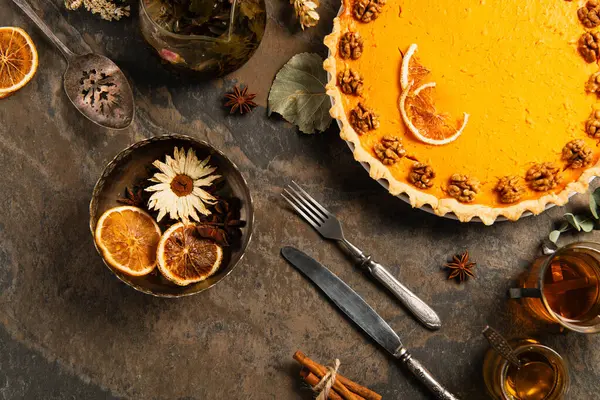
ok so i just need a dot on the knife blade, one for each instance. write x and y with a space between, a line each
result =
347 300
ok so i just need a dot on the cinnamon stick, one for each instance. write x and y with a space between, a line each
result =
354 387
313 380
319 372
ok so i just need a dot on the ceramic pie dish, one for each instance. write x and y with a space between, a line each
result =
523 149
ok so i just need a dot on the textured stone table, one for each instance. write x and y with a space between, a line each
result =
70 330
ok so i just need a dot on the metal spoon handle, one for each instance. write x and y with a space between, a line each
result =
44 28
501 345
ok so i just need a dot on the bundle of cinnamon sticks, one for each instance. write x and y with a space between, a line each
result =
343 388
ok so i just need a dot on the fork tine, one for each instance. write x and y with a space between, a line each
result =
302 200
302 213
303 205
316 203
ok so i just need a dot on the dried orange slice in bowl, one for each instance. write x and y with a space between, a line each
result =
18 60
128 238
184 257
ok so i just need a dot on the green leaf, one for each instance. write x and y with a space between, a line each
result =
554 235
587 225
298 93
573 221
595 203
564 226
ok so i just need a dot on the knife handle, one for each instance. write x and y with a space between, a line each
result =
423 375
415 305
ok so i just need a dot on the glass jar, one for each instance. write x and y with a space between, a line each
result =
543 374
206 56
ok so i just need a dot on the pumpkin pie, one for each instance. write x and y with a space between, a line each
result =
481 108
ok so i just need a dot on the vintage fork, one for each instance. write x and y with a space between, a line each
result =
330 228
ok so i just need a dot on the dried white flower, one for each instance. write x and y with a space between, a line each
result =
105 8
179 190
306 12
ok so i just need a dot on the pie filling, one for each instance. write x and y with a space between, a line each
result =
523 71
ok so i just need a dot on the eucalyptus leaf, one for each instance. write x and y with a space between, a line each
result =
572 220
298 93
553 237
579 222
595 203
587 225
564 226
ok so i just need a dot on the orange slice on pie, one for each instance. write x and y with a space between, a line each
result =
184 257
128 238
18 60
418 109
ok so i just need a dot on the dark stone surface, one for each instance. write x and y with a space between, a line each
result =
69 329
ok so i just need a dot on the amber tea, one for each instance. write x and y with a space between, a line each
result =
542 375
564 287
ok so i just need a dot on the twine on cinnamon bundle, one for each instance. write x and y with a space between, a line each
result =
332 385
326 383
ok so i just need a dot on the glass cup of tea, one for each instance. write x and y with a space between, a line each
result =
564 287
218 37
542 375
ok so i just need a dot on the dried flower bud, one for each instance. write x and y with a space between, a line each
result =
306 12
105 8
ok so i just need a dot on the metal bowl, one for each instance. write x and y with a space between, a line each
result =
131 165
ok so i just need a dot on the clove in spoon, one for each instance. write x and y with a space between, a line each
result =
93 83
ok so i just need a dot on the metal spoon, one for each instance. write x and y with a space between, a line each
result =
93 83
501 345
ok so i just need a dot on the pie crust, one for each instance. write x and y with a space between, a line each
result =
418 198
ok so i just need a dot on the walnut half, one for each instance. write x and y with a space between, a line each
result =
350 82
589 15
421 175
509 189
389 150
592 125
363 119
577 154
351 45
463 188
589 46
543 177
367 10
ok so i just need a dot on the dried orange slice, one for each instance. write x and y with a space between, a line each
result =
128 238
18 59
418 109
184 257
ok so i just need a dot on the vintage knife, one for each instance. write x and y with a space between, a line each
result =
363 315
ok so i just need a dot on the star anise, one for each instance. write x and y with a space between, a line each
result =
223 225
240 100
132 198
460 267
